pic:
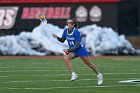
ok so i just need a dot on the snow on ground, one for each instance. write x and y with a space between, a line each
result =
98 40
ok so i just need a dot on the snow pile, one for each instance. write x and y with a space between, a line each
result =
105 41
98 40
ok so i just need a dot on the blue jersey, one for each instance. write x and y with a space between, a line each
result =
72 38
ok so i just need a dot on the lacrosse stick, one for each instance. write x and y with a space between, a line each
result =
42 18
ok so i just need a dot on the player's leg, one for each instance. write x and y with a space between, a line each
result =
93 67
67 59
90 64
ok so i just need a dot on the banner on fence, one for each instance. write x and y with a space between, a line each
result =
15 18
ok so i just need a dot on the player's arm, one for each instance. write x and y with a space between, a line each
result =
77 45
58 38
61 39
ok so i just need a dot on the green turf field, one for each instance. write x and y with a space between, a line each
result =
49 75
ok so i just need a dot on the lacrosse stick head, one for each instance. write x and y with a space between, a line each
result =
41 16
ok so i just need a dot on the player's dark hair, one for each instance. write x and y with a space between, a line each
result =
75 22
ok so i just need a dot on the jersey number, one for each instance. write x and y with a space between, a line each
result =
71 43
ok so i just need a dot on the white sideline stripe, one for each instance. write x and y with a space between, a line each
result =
36 67
34 75
30 81
105 91
58 67
64 75
50 88
43 81
126 59
130 81
23 70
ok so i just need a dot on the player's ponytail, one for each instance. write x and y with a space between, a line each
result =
75 22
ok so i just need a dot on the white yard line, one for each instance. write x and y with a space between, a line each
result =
64 67
31 81
126 59
34 67
27 81
50 88
120 73
129 81
24 70
36 75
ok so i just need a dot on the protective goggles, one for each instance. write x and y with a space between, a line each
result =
70 21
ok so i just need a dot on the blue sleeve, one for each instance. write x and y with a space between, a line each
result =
64 34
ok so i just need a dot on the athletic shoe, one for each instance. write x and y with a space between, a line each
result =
74 76
100 78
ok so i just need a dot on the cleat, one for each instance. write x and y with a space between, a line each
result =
74 77
100 78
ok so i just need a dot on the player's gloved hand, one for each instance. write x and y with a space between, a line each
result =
66 51
55 36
